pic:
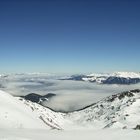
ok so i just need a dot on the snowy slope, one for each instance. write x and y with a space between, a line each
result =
52 119
117 111
13 114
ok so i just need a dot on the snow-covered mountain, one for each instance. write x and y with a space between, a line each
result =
117 111
114 78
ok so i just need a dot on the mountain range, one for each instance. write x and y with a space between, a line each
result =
113 78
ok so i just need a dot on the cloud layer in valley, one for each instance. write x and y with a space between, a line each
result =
71 95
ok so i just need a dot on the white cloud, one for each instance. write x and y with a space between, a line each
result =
71 95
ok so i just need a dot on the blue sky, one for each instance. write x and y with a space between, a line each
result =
69 36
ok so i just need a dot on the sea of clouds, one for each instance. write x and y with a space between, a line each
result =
70 95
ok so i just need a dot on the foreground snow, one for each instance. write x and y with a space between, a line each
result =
24 120
13 114
27 134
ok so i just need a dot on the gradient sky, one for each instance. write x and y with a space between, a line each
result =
69 36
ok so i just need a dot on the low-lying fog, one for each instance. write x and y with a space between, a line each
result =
71 95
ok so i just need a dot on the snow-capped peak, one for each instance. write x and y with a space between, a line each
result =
99 75
110 78
126 74
116 74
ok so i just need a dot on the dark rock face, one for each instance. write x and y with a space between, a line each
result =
38 98
33 97
137 127
124 94
135 90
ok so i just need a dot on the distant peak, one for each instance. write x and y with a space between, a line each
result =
127 74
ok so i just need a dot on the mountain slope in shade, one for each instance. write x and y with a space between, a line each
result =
13 114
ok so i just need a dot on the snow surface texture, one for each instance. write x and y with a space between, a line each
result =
13 114
69 135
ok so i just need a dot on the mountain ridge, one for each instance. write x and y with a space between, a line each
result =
120 110
125 78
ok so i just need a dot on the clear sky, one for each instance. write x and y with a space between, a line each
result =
69 36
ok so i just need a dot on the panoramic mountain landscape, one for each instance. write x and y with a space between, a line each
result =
69 70
24 114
